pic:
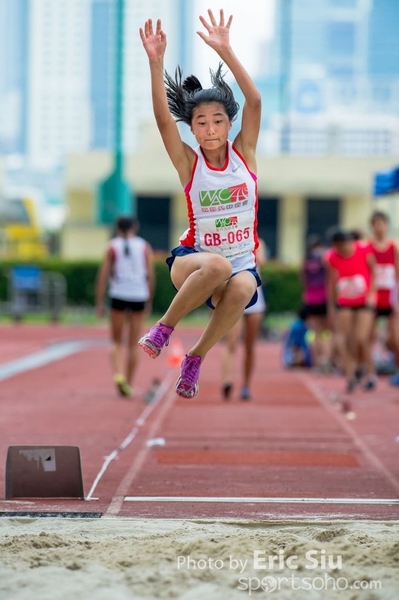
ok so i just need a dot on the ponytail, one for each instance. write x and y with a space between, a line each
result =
185 95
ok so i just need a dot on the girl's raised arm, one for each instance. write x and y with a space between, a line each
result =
217 37
181 155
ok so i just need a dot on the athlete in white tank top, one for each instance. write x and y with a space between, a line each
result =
129 277
127 271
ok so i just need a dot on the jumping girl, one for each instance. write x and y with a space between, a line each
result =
215 261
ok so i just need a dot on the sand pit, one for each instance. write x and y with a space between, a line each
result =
132 559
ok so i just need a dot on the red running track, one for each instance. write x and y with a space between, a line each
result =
290 442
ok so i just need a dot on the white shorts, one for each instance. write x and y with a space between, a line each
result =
259 306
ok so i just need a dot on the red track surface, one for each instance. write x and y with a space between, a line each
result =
290 441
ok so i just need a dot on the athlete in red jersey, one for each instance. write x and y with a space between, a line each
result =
351 302
386 281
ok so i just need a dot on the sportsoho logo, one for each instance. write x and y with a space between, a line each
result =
229 195
322 582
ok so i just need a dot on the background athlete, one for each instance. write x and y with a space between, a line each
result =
249 327
127 268
386 255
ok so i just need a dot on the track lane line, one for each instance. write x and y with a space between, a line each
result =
373 460
42 358
139 422
123 488
248 500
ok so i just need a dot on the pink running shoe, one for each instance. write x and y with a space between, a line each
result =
153 341
187 384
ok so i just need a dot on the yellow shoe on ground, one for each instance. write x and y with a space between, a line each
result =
124 388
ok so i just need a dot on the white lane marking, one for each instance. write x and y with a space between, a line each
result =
373 460
161 391
245 500
126 483
41 358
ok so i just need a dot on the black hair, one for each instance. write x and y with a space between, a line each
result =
377 215
357 234
303 313
185 95
125 224
342 235
336 233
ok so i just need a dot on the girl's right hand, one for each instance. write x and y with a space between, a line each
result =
154 43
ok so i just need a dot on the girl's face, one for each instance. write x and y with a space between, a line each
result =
210 125
345 248
379 228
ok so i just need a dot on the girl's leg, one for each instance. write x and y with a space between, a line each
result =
230 302
117 319
393 336
253 322
135 322
196 276
392 343
228 351
344 327
364 322
318 325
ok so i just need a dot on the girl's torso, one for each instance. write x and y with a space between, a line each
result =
314 278
385 273
222 208
128 279
353 275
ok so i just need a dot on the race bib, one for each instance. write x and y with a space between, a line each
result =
229 236
352 287
385 277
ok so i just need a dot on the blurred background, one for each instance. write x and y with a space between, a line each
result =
78 143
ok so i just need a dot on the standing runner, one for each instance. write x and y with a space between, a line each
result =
351 296
127 267
386 255
314 279
215 261
249 326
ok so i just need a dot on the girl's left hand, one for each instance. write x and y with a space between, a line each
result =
218 35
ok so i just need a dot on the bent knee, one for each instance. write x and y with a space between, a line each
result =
217 269
241 290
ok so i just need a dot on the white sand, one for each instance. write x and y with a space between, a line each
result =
132 559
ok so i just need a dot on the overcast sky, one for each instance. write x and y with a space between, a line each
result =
252 23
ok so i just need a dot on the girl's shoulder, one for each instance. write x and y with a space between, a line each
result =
329 255
364 246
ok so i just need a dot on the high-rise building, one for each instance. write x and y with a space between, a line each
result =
335 72
383 49
319 44
57 73
103 52
58 107
14 40
137 107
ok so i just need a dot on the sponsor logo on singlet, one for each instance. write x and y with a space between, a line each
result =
229 195
226 222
